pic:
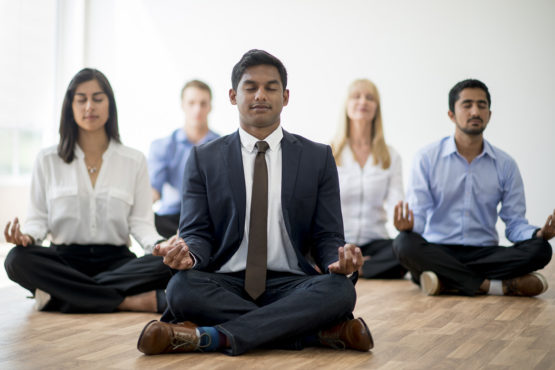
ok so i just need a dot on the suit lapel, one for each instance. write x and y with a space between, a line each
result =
234 164
290 153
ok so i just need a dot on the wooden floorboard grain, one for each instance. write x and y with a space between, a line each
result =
411 331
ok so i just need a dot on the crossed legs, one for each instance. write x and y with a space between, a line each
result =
292 306
464 268
87 280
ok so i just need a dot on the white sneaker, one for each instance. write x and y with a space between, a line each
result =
41 299
429 283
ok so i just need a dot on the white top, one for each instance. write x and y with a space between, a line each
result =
64 203
281 255
366 193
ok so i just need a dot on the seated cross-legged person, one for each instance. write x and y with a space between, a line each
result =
90 193
448 239
370 179
259 207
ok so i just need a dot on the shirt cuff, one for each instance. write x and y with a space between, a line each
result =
35 234
194 259
419 224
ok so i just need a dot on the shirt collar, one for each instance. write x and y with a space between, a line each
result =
274 139
347 158
450 147
181 136
488 149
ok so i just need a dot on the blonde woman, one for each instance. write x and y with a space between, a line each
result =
370 180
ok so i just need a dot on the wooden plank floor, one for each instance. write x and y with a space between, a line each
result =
411 331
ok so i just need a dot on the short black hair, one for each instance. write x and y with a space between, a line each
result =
68 127
255 57
455 92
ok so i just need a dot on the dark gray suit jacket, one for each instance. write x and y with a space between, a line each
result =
213 203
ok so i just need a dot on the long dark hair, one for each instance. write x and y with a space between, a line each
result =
68 127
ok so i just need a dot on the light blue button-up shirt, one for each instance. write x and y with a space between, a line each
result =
166 166
456 202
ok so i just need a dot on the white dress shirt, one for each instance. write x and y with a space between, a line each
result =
366 193
65 204
281 255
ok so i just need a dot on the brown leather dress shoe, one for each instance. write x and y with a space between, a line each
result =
160 337
353 334
528 285
188 324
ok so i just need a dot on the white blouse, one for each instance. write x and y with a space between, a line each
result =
366 193
64 203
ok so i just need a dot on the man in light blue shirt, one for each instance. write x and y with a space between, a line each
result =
448 240
167 158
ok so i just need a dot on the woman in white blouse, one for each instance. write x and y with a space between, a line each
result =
370 180
89 193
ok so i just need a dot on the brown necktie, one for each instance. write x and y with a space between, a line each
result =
255 274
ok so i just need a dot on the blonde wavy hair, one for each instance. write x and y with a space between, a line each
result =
379 147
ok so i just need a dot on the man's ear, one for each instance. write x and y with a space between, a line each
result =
451 116
285 97
233 96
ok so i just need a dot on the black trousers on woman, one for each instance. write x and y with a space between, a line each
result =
87 278
463 268
382 262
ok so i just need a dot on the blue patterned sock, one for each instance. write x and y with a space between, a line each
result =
209 339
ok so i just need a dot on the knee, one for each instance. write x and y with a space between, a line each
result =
15 260
156 264
540 253
185 290
341 294
406 245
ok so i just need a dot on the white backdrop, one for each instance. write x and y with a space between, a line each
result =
415 51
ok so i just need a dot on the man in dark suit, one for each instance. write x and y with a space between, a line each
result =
260 210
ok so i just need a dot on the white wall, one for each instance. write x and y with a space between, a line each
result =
415 51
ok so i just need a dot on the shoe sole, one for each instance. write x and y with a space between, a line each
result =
429 283
41 299
371 345
542 279
140 347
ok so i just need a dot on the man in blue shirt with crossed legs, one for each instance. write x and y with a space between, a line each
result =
448 239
